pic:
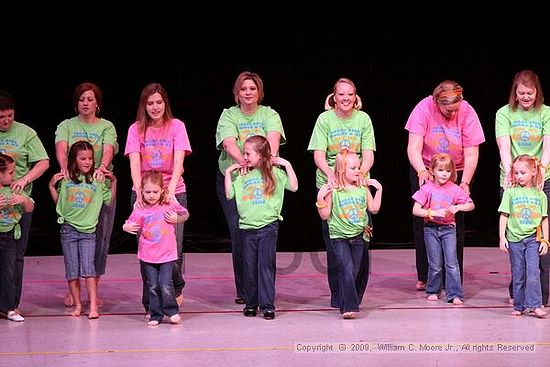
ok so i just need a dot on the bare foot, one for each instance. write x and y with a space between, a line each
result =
420 285
349 315
153 323
68 300
93 314
539 312
457 301
517 313
77 310
433 297
174 319
99 302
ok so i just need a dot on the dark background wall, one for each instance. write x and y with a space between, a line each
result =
299 52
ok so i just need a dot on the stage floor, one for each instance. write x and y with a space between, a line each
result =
396 325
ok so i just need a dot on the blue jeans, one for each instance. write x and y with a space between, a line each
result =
78 252
441 249
8 250
544 265
418 235
177 277
229 208
524 261
350 259
25 224
332 266
260 249
103 232
162 298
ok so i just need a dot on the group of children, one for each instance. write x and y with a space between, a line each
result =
523 230
258 187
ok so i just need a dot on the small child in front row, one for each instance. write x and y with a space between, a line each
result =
12 207
345 208
523 210
78 202
157 247
437 201
259 192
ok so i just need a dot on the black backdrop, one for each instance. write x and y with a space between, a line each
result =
299 52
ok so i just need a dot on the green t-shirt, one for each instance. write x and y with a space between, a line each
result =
22 144
348 216
234 123
255 208
331 134
98 134
79 204
10 215
526 207
526 130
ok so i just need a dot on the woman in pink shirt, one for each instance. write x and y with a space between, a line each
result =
442 123
158 141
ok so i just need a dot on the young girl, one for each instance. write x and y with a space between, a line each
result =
523 210
345 207
157 247
437 201
78 203
259 193
12 207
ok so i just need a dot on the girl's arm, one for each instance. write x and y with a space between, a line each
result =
374 203
324 201
320 158
51 185
23 200
227 178
292 179
502 223
466 207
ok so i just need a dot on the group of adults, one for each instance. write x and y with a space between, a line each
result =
441 122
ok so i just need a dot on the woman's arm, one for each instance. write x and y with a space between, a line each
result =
471 155
414 152
274 139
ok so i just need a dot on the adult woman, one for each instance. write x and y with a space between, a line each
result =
158 141
523 127
21 142
101 133
442 123
249 117
342 125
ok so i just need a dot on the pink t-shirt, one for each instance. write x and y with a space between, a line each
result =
157 238
434 196
445 136
158 147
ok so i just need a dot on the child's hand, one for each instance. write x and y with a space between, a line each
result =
440 213
4 201
171 217
324 191
131 227
279 161
56 178
17 199
374 183
543 248
453 209
503 245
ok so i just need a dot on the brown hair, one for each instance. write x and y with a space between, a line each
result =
84 87
248 75
74 172
5 161
261 146
443 160
143 118
530 79
448 92
155 178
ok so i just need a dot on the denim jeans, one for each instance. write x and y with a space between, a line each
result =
25 224
229 208
544 265
260 250
8 250
441 249
103 232
332 266
177 277
350 258
418 235
524 261
162 298
78 252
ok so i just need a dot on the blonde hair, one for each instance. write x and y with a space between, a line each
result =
532 163
340 165
445 161
330 102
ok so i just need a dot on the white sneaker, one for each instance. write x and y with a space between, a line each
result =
14 316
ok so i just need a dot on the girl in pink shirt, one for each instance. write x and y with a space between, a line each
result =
157 250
